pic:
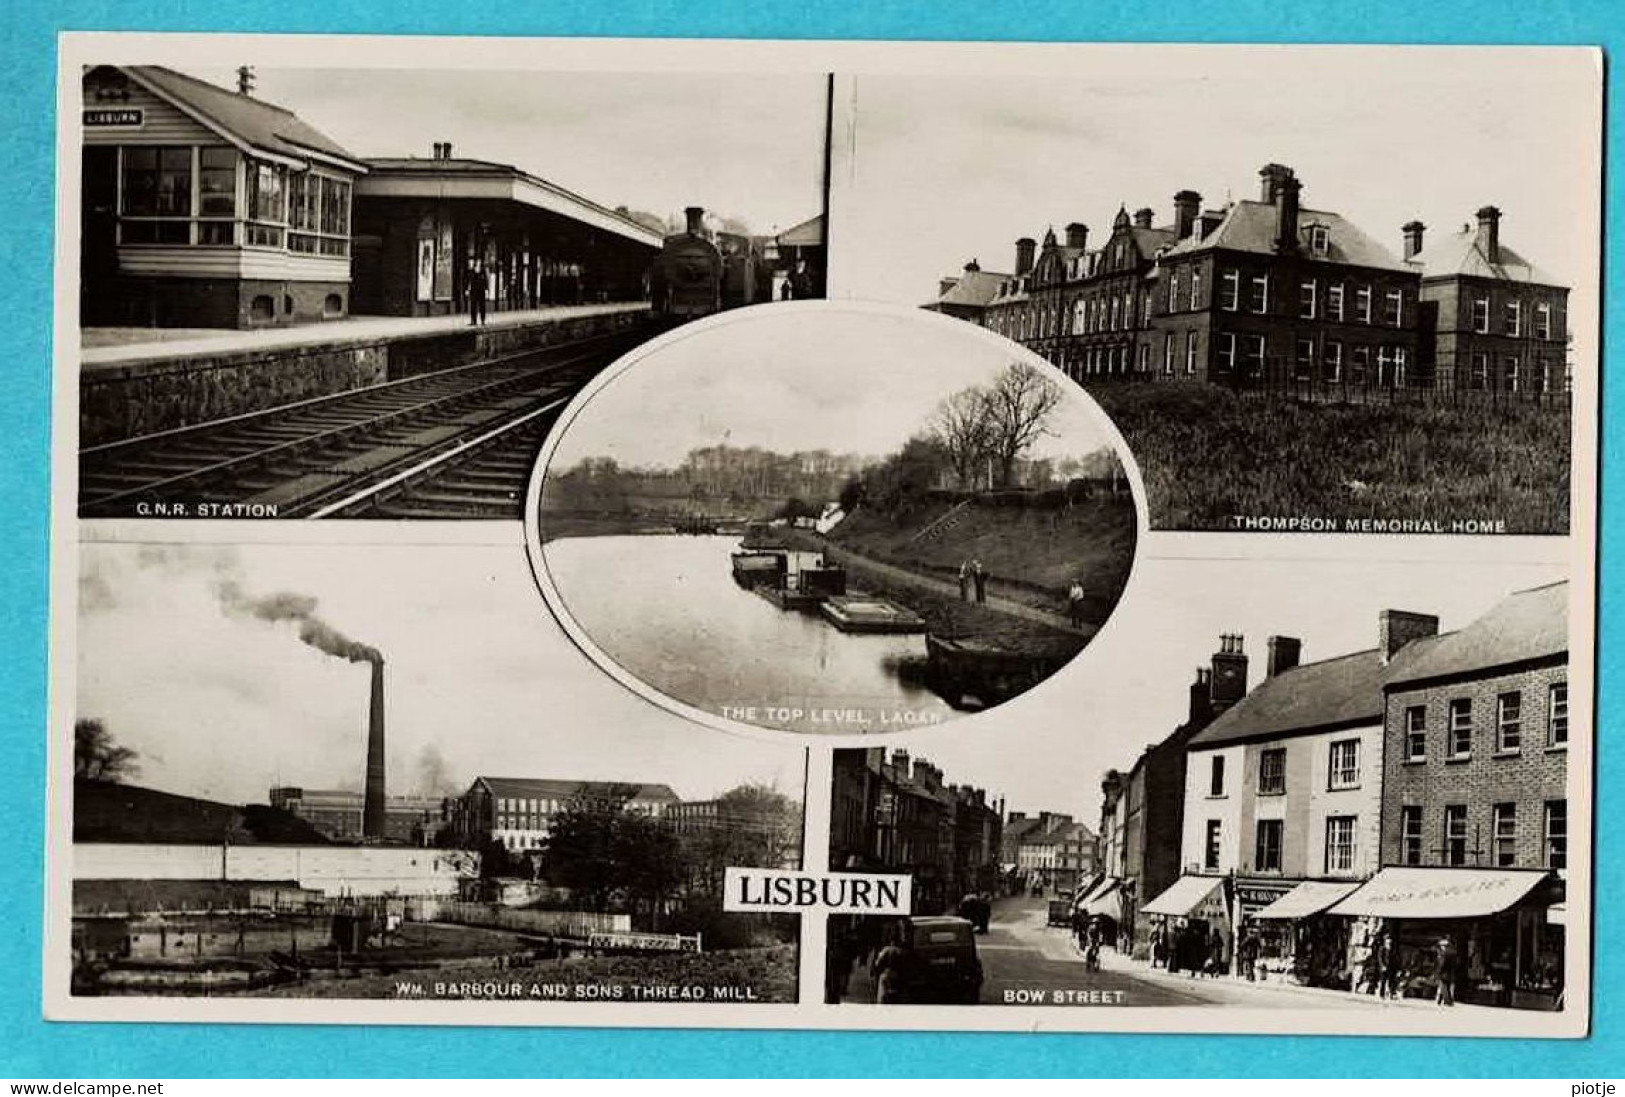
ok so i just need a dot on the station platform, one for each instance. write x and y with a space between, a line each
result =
104 348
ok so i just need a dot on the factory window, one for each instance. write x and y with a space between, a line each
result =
1196 288
1455 834
1334 302
1308 297
1258 298
1508 722
1461 727
1514 317
1303 362
1557 833
1512 378
1362 304
1359 360
1504 828
1343 765
1339 843
1267 846
1481 315
1557 715
157 182
1227 351
1272 771
217 182
1410 835
1255 356
1543 321
1230 290
1334 363
1190 352
1393 308
1478 376
1416 733
1168 354
1320 239
1173 291
1210 851
1391 366
1145 357
1080 316
1145 316
1115 317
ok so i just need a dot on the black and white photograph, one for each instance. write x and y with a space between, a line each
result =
352 772
367 292
1328 290
1356 804
835 520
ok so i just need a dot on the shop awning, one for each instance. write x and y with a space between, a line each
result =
1107 900
1088 890
1445 892
1183 896
1308 898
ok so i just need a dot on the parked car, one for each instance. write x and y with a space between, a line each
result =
946 967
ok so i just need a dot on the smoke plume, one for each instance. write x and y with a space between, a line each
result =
300 609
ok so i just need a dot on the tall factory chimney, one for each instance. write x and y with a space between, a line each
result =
373 814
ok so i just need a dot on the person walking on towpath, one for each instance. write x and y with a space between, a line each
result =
1074 603
979 575
964 581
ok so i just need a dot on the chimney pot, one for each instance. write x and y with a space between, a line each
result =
1398 627
973 266
1413 231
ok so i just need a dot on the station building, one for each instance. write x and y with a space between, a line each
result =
424 224
203 207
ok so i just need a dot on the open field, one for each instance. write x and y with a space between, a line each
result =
1209 456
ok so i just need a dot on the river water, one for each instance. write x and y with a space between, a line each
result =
667 610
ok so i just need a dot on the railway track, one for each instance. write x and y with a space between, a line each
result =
457 443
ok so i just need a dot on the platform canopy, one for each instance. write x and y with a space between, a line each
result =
1308 898
1448 892
1183 896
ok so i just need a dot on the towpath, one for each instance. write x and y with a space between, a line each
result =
858 562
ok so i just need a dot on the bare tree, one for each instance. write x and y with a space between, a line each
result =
97 757
963 424
1019 406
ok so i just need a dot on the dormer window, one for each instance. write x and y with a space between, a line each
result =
1320 239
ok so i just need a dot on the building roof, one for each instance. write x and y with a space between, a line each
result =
417 176
1462 254
547 788
1530 624
1339 692
808 234
1250 226
973 289
251 121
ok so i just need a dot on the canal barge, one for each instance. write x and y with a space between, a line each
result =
789 578
866 613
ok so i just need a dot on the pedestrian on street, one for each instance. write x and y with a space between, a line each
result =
1247 953
964 581
891 967
1074 603
476 294
1445 967
979 574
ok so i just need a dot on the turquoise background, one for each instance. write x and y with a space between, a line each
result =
30 1048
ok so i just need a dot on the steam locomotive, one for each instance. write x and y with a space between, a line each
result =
697 274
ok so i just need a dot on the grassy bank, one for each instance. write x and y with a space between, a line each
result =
1208 455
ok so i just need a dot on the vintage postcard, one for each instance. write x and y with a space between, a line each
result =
824 535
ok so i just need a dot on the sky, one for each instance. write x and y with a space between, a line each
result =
479 678
653 142
949 168
804 379
1048 749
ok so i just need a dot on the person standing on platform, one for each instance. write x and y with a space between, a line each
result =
476 294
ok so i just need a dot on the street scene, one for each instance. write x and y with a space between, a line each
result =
352 293
268 805
856 522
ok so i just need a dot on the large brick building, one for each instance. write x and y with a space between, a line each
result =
1270 292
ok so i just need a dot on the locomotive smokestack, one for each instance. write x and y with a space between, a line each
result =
372 804
696 219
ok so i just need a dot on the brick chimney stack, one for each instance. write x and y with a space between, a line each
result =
1489 233
1413 237
695 216
1398 627
1286 234
1285 652
1025 248
1187 204
1077 235
1201 706
1143 217
1229 682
